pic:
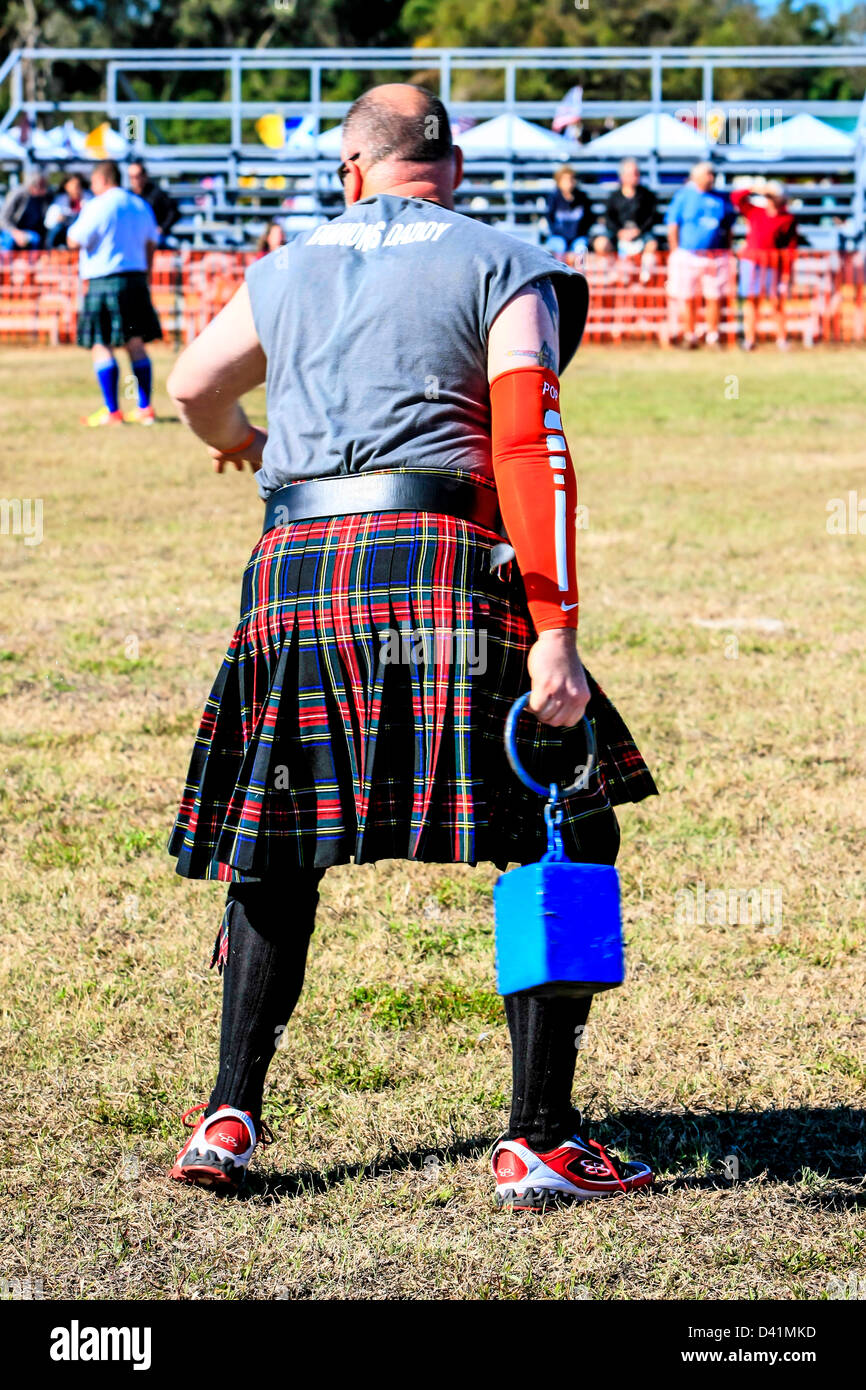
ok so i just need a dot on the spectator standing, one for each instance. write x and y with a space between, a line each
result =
117 233
22 217
165 209
64 210
767 256
568 215
699 225
631 213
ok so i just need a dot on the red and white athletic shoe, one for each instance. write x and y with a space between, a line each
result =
220 1147
576 1171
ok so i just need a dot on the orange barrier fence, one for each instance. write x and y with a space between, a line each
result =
814 296
821 294
40 292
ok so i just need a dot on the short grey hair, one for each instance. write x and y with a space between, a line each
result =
381 131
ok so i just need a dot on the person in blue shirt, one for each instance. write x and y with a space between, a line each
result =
568 215
699 223
116 233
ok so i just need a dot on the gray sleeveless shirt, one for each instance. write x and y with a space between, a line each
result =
375 329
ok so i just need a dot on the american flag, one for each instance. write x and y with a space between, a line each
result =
570 110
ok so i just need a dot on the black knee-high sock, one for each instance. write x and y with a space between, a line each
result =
544 1041
269 927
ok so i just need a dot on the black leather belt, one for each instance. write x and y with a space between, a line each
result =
384 492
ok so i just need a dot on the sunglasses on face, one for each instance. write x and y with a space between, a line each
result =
343 171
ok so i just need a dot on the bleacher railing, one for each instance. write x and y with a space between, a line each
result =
822 293
231 86
440 67
232 83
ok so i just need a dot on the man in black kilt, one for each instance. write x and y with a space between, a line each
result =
417 560
116 232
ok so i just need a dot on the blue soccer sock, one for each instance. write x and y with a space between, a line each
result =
144 377
107 375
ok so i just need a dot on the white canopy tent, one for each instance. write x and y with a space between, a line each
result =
65 142
111 145
800 137
506 136
329 144
45 144
9 148
655 133
56 142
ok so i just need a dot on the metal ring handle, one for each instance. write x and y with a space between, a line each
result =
520 771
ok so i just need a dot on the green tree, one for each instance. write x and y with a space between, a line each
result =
633 23
294 24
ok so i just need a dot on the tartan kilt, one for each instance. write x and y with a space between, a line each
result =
360 710
115 309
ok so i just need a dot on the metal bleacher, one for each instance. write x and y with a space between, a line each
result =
249 183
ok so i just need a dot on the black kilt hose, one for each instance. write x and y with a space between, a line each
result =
360 709
116 308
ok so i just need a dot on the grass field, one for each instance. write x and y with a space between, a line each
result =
724 620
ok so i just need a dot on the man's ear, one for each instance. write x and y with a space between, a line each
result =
458 166
353 185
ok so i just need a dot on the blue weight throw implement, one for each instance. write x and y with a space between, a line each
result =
558 924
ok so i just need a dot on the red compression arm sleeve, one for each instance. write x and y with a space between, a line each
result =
537 489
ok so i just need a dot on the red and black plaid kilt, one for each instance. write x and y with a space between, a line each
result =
360 709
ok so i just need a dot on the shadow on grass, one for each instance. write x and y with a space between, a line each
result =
306 1181
705 1149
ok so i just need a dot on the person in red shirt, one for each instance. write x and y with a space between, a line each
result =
767 256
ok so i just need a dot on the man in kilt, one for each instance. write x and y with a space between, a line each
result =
418 559
116 233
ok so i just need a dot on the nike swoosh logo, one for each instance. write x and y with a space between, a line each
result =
567 607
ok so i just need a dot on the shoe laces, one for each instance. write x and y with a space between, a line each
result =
195 1110
614 1166
264 1134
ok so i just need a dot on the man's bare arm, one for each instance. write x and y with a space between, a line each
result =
210 377
526 332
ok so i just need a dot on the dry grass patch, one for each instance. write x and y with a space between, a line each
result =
737 1048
